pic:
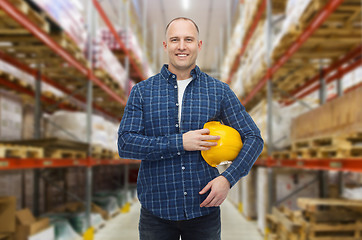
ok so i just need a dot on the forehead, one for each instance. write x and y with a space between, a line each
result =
181 27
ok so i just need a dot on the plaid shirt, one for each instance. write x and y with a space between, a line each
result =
170 178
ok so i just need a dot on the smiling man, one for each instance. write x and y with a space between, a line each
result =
180 193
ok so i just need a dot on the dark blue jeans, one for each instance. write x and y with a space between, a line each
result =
202 228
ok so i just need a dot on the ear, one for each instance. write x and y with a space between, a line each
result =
199 45
164 45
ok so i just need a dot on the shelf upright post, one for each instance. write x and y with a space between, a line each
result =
37 135
322 81
228 22
154 49
89 170
221 49
126 166
144 33
323 175
268 39
340 173
339 86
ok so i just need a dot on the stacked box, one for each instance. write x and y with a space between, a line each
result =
69 15
10 117
104 59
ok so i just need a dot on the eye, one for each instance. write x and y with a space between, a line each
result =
189 39
174 40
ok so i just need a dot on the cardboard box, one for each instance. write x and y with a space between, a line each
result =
47 234
27 225
10 116
80 207
6 236
7 214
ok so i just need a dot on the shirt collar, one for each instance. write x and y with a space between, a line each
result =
169 75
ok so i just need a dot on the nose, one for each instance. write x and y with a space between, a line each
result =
181 45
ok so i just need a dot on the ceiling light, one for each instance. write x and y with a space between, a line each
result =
185 4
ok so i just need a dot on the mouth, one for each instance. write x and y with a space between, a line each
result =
182 55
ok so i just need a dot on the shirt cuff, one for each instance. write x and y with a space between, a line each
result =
231 178
176 145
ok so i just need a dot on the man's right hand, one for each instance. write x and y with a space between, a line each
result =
197 140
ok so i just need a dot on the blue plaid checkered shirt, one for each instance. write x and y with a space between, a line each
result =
170 178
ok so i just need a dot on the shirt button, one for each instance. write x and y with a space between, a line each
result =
185 193
183 168
175 86
176 125
173 76
178 153
161 157
177 104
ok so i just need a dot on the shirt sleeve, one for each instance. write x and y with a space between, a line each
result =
132 141
233 114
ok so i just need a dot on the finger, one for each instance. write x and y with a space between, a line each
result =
218 203
208 144
207 201
209 137
205 189
203 131
213 203
203 148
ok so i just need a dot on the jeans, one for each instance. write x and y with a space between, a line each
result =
202 228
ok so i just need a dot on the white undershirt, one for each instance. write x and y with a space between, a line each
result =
181 86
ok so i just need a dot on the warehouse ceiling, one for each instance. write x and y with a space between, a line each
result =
212 17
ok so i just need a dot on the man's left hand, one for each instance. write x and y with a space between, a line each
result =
220 187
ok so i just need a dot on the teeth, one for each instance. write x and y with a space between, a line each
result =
182 55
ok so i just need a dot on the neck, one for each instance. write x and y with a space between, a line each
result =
181 74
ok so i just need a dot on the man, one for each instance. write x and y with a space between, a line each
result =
162 125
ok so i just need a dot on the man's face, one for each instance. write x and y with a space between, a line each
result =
182 45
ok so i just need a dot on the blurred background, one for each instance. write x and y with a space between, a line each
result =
66 71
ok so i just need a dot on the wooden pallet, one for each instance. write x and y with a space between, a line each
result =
66 154
331 219
320 219
281 155
18 151
340 146
100 152
31 14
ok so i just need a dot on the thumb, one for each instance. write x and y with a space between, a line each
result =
206 188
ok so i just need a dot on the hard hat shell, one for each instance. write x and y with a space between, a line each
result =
228 146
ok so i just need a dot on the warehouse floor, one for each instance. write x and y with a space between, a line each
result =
234 225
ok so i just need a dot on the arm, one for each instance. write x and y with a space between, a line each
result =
233 114
132 141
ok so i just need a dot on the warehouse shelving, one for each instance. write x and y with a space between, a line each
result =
109 99
344 60
329 8
348 62
82 72
138 75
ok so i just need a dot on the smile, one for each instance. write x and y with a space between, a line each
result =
182 55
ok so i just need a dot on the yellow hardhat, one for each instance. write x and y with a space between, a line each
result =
228 146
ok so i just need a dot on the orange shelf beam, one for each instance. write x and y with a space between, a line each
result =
31 163
340 164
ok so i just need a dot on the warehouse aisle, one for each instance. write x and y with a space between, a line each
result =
234 225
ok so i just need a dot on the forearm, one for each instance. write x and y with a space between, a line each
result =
137 146
240 167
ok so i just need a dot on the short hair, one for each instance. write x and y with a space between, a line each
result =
184 18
